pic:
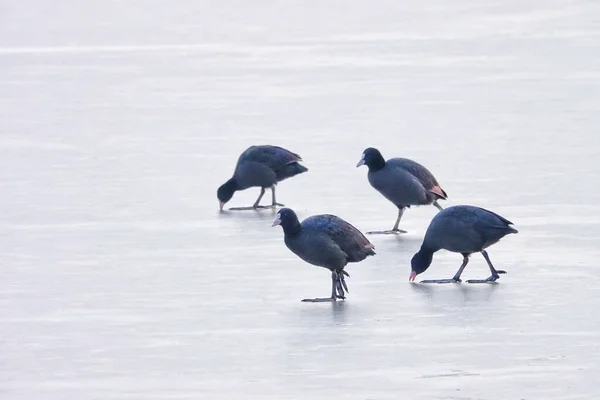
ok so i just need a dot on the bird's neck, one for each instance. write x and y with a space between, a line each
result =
292 228
425 255
427 250
232 183
377 164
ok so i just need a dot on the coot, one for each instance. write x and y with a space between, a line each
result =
260 166
465 230
325 241
402 181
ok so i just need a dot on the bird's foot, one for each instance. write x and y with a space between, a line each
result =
244 208
270 207
257 207
491 279
452 280
388 232
495 276
319 300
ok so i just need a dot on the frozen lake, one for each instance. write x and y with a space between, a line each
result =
121 280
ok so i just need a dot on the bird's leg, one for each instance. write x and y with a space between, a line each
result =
456 277
400 212
262 193
339 289
489 262
395 229
495 273
254 206
334 291
274 202
335 285
437 205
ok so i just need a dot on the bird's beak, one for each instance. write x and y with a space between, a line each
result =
361 162
277 221
221 204
412 277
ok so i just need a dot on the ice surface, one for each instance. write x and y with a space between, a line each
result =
121 280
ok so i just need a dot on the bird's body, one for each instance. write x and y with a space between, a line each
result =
402 181
405 183
462 229
466 229
265 166
326 241
261 166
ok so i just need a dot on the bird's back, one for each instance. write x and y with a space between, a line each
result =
344 235
282 162
466 229
399 186
274 157
265 165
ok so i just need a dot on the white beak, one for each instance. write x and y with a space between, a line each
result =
361 162
277 221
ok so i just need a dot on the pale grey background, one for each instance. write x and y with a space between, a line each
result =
119 279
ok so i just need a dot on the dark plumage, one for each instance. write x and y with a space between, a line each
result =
326 241
465 230
260 166
402 181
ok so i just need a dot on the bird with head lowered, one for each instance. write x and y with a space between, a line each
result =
260 166
465 230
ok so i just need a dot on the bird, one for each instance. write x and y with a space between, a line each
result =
461 229
260 166
402 181
325 241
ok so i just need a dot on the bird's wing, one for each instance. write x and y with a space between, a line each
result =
493 218
273 157
399 186
345 235
421 173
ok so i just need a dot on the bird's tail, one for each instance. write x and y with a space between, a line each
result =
289 170
506 229
438 192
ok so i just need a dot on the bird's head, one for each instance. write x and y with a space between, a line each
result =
372 158
226 191
287 218
419 263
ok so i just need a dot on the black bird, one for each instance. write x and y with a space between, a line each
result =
465 230
325 241
260 166
402 181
